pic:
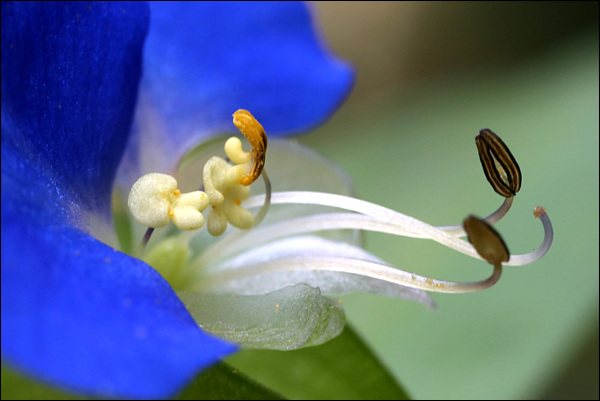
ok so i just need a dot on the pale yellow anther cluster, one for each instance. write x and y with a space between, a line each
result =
154 200
222 183
227 185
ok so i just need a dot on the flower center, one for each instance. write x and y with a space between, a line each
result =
291 257
154 201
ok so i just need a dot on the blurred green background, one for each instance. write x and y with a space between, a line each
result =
429 76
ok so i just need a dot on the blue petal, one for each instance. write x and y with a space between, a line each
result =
205 60
76 313
70 74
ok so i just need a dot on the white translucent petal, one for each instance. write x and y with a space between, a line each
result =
289 318
329 282
290 166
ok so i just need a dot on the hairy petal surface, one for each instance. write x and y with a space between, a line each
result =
76 313
205 60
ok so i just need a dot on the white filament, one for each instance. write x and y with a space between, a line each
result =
348 265
386 220
370 217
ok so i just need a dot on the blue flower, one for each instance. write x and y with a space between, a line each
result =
76 312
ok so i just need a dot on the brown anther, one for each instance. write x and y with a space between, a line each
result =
486 240
255 133
500 167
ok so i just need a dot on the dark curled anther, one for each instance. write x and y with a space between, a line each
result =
486 240
500 167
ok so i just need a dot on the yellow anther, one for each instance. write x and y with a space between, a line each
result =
227 182
154 200
255 133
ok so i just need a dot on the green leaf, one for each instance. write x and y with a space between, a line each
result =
220 382
223 382
19 387
343 368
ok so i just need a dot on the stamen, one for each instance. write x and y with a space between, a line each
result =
409 225
459 231
267 203
361 267
146 238
500 167
227 185
501 211
486 241
226 193
255 133
154 200
228 244
496 159
387 220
